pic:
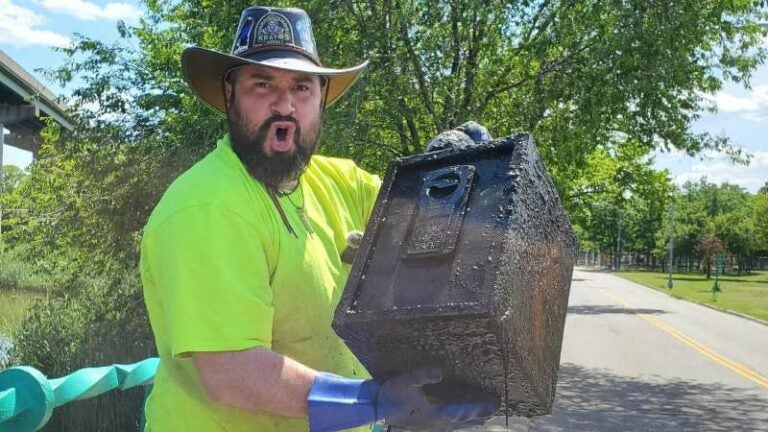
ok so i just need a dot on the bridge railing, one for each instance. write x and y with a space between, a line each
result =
28 397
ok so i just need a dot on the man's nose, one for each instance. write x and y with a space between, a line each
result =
282 104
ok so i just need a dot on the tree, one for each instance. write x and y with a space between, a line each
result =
760 221
12 177
709 246
621 203
703 210
728 210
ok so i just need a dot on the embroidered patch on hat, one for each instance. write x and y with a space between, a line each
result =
273 28
243 41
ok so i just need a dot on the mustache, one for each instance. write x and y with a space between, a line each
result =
280 118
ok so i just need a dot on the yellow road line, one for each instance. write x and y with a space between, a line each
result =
713 355
710 353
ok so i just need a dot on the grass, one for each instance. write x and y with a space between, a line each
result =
13 303
744 294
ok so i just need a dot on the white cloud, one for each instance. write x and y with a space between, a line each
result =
730 103
86 10
18 27
720 170
752 103
756 117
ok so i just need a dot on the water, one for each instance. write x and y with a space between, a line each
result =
5 346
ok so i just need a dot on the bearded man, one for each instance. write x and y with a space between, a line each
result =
240 260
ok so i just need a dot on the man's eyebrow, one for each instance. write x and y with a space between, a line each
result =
301 79
261 76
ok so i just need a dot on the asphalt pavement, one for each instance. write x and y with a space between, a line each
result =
635 359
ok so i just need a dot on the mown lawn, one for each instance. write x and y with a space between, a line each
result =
743 294
12 306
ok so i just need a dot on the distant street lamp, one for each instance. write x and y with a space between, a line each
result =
625 195
617 261
671 239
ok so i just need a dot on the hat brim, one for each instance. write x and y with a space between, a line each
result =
204 71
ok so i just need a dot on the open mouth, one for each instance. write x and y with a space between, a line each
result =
283 136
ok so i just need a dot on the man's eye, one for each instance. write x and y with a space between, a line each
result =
261 84
302 87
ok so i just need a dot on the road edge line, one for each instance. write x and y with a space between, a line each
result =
719 309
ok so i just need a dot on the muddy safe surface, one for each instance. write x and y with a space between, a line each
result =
466 265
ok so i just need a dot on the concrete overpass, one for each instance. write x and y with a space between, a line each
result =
24 103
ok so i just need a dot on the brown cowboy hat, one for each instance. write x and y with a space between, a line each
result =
279 38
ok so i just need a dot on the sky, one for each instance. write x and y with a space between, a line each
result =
28 28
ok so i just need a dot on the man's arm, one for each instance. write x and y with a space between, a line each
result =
257 379
262 380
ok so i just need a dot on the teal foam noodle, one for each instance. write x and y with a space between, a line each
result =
84 384
137 374
27 397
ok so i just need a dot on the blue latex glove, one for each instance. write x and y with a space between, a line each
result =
337 403
402 402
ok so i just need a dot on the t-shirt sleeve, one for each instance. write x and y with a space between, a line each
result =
211 272
368 189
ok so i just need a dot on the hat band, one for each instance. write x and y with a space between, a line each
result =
261 55
267 52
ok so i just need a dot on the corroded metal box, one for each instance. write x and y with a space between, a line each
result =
466 265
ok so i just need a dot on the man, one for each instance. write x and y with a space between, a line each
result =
241 258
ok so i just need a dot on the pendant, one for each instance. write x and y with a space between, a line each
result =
305 220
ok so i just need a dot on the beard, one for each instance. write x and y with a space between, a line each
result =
279 168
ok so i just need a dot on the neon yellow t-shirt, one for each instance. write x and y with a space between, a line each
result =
221 272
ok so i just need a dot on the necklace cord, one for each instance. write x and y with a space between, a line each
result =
280 210
299 210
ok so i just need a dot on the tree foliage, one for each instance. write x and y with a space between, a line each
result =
620 205
709 247
760 216
726 212
574 73
585 77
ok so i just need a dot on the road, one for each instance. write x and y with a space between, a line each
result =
635 359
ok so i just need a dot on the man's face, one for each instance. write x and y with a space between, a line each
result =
274 119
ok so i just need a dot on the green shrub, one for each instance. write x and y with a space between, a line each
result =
22 269
100 323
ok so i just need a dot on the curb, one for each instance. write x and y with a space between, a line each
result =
728 311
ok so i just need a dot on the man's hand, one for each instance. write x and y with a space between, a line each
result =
354 239
403 403
337 403
467 135
476 131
